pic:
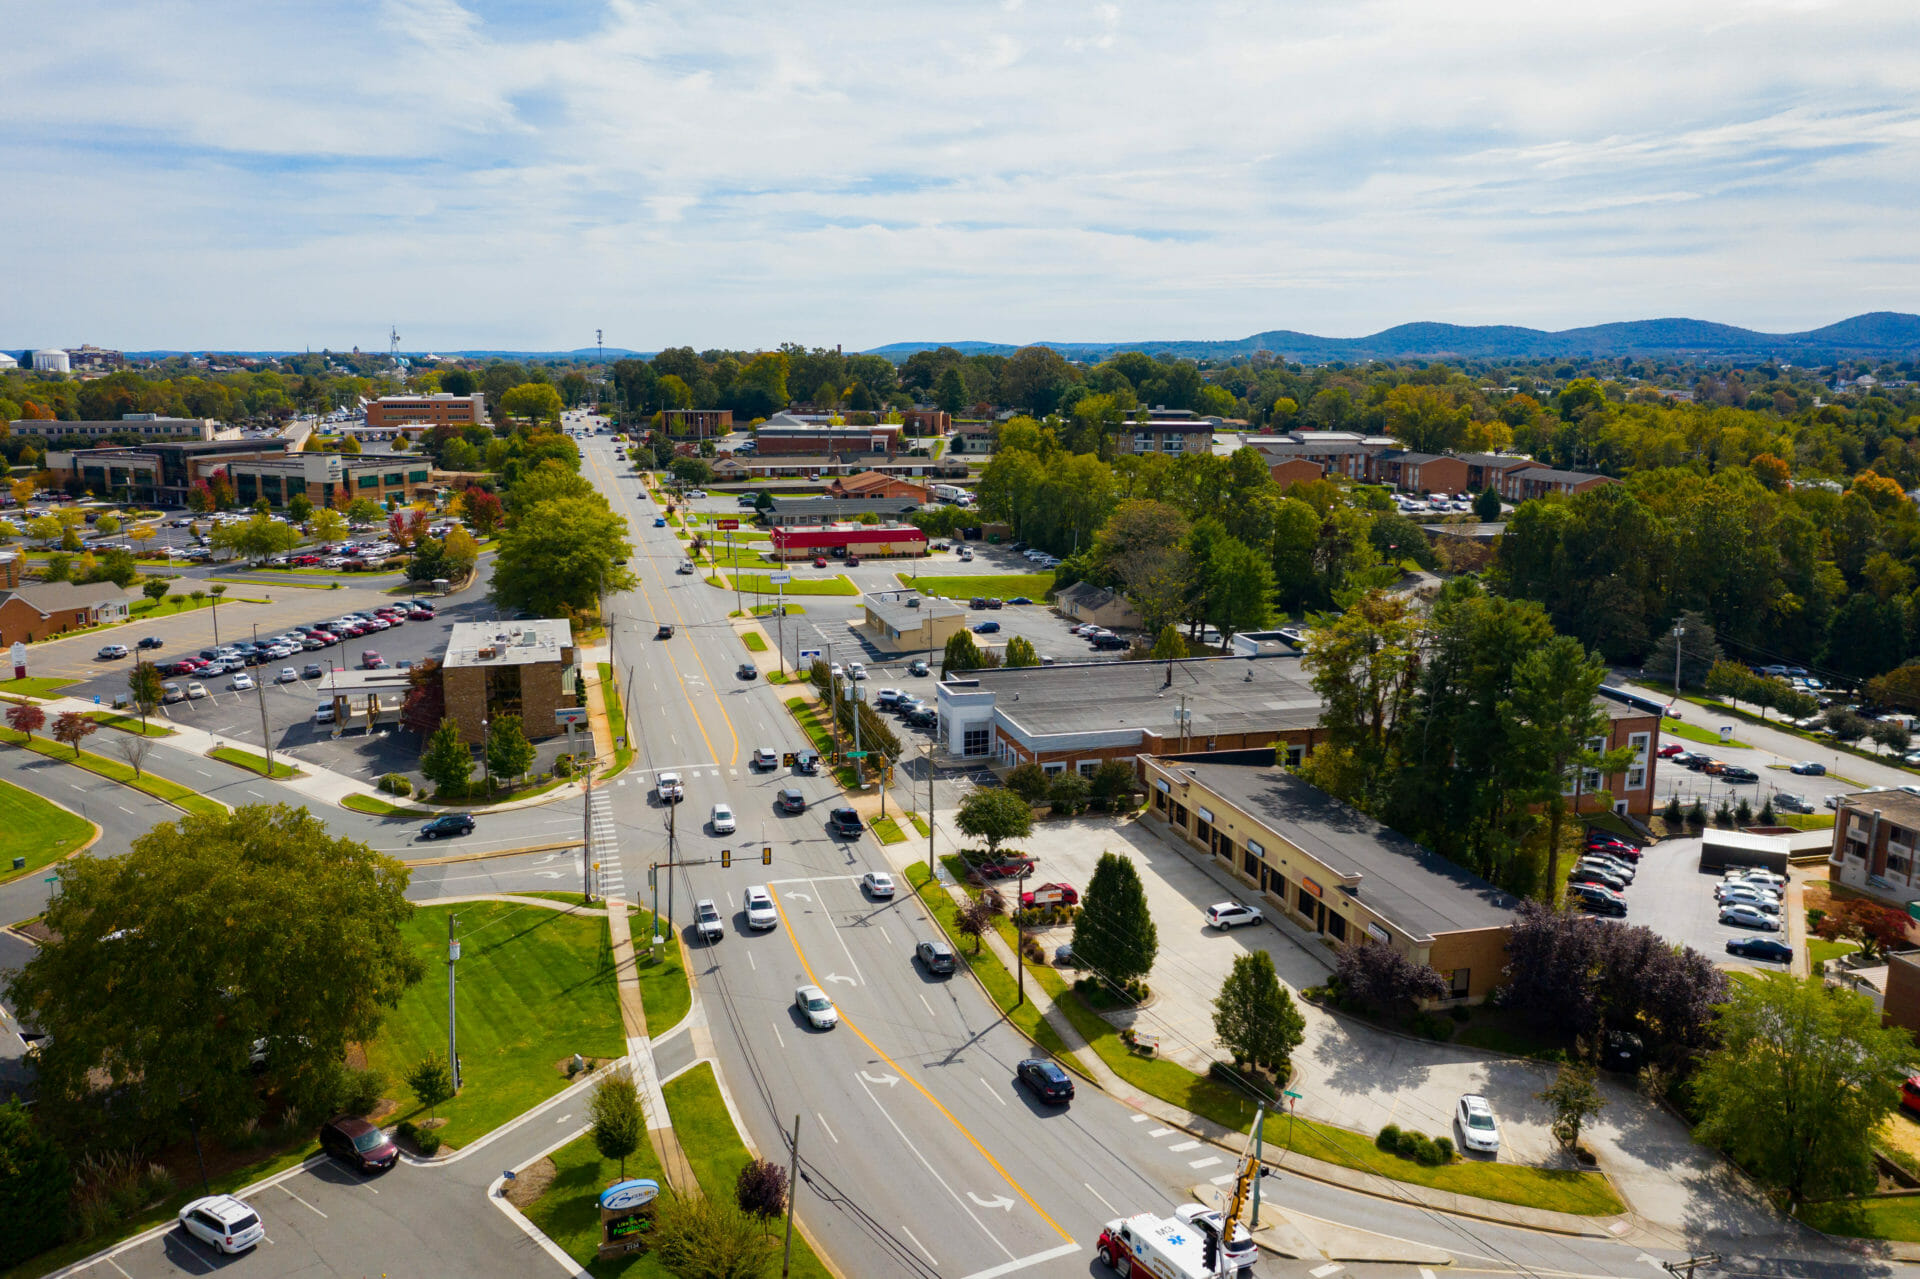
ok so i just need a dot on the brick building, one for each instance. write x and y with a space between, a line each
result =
784 434
522 668
418 414
1875 834
148 426
1421 472
872 484
1527 483
161 472
42 610
324 476
1289 471
1332 870
698 423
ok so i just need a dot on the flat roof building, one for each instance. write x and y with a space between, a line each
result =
322 477
148 426
161 472
420 413
524 668
801 512
906 622
854 539
1333 870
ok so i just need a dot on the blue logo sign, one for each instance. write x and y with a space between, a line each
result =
629 1194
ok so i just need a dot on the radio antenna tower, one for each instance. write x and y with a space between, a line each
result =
393 344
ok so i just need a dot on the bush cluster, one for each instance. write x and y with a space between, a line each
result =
396 784
1428 1152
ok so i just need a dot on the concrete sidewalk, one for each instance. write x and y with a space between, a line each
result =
660 1133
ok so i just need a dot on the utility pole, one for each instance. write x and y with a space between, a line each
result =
1679 633
1020 937
260 694
733 573
673 816
453 1041
929 812
793 1171
833 700
586 838
1675 1268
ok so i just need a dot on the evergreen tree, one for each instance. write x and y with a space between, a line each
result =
509 753
1020 652
447 762
1169 644
1114 934
1486 507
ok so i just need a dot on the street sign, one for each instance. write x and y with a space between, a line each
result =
570 716
779 579
856 754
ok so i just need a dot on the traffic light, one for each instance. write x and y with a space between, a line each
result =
1209 1249
726 858
766 855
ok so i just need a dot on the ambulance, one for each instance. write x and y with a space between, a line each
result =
1155 1247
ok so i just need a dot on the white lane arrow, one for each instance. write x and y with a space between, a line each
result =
546 874
998 1201
837 977
542 861
800 897
888 1080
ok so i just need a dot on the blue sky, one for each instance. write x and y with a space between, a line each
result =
506 173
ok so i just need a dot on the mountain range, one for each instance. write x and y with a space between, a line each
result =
1877 333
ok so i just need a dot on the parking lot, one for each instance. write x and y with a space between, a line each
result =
1673 896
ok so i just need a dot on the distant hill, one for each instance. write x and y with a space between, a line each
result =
1879 333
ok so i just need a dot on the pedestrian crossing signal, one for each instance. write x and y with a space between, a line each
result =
766 855
726 858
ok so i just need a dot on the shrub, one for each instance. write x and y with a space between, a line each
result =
1389 1139
396 784
563 766
1696 815
762 1189
1029 782
1408 1147
1673 814
1445 1146
361 1090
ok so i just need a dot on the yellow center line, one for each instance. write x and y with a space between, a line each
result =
698 721
918 1086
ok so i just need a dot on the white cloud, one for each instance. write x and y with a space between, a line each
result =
868 172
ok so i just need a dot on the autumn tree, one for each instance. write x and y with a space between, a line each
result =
72 728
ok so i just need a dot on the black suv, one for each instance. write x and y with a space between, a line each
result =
1048 1081
451 824
845 822
936 955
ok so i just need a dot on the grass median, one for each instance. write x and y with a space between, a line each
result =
536 986
887 831
754 641
1688 732
128 724
251 762
991 586
760 584
381 808
158 787
39 831
616 719
35 686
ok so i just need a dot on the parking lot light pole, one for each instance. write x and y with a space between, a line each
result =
260 692
453 1041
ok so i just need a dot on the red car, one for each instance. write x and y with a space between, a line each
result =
1051 895
1671 749
819 561
1006 868
1910 1095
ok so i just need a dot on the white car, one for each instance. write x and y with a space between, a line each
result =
816 1007
171 693
1224 915
878 883
706 921
241 683
323 713
1478 1131
195 691
1742 915
765 757
1760 876
1241 1250
223 1222
856 671
760 910
287 675
671 790
721 819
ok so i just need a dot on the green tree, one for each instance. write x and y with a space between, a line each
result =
431 1082
1573 1099
1113 785
534 401
155 588
1028 781
328 525
1486 506
447 762
1364 665
144 683
363 510
1020 652
123 986
561 555
1239 589
1067 793
1803 1079
509 753
996 816
950 392
1169 644
962 654
35 1181
619 1120
1114 933
691 471
1555 721
299 508
1254 1015
1697 647
710 1237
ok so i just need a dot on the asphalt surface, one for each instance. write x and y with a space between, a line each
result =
920 1154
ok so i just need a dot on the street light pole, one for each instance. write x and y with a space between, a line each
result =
793 1172
453 1042
260 695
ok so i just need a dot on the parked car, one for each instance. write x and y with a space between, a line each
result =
816 1007
1766 948
151 641
1596 898
1599 875
1622 1051
759 908
1048 1081
877 883
358 1143
1478 1128
986 628
792 801
1050 894
1809 768
721 819
241 683
706 921
917 667
1224 915
108 652
223 1222
446 825
819 561
1006 866
171 693
935 956
1742 915
195 691
1736 773
1910 1094
1671 749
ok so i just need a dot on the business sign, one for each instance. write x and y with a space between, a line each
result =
1256 850
1377 933
809 654
19 660
1309 886
573 716
726 526
1047 895
779 579
625 1195
1206 815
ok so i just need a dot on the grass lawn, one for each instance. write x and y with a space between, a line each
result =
158 787
616 719
536 986
1693 733
1804 821
754 641
663 981
32 828
1819 950
129 724
381 808
812 719
919 823
1866 1218
251 762
742 556
768 610
887 830
998 586
35 686
758 583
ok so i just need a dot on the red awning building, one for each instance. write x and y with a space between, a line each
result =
851 539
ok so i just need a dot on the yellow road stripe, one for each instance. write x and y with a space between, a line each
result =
918 1087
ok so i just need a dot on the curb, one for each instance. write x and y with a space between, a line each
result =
492 853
